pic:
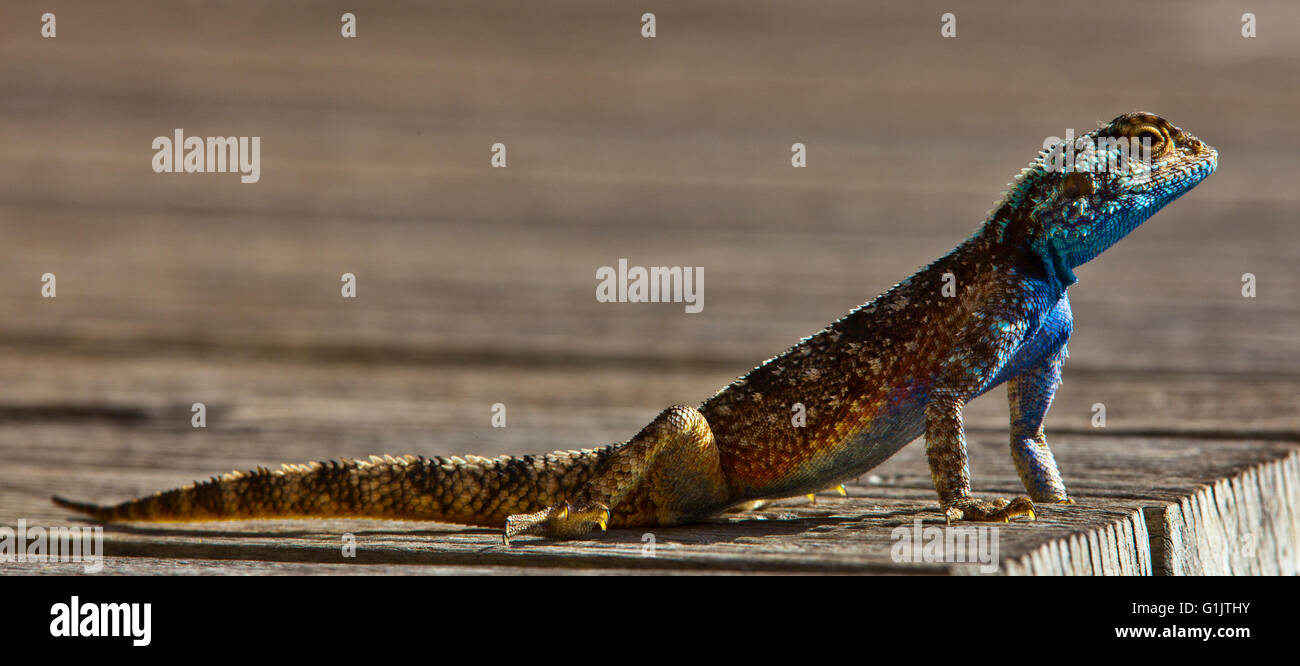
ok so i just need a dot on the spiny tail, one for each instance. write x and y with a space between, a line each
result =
470 490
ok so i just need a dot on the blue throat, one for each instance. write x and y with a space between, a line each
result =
1054 261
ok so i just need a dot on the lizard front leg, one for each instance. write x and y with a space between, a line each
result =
945 450
666 474
1030 395
986 345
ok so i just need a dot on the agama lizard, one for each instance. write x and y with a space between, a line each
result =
897 367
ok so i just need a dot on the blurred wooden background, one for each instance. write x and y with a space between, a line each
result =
476 285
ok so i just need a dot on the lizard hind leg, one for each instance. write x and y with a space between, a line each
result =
668 473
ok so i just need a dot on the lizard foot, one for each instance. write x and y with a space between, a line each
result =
998 510
562 521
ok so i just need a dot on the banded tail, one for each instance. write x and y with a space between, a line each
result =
469 491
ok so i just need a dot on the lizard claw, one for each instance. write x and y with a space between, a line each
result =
812 497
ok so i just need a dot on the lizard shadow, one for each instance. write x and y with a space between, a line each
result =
326 530
447 544
725 528
730 528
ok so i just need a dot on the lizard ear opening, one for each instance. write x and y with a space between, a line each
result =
1076 184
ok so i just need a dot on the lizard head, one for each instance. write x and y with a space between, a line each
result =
1079 204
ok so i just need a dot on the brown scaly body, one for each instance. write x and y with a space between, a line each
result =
993 310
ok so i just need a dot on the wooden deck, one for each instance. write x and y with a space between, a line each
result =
475 284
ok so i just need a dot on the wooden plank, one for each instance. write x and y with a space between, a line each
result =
1244 524
346 410
1103 535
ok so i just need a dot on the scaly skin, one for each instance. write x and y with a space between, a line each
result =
993 310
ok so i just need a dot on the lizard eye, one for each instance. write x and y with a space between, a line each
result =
1155 136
